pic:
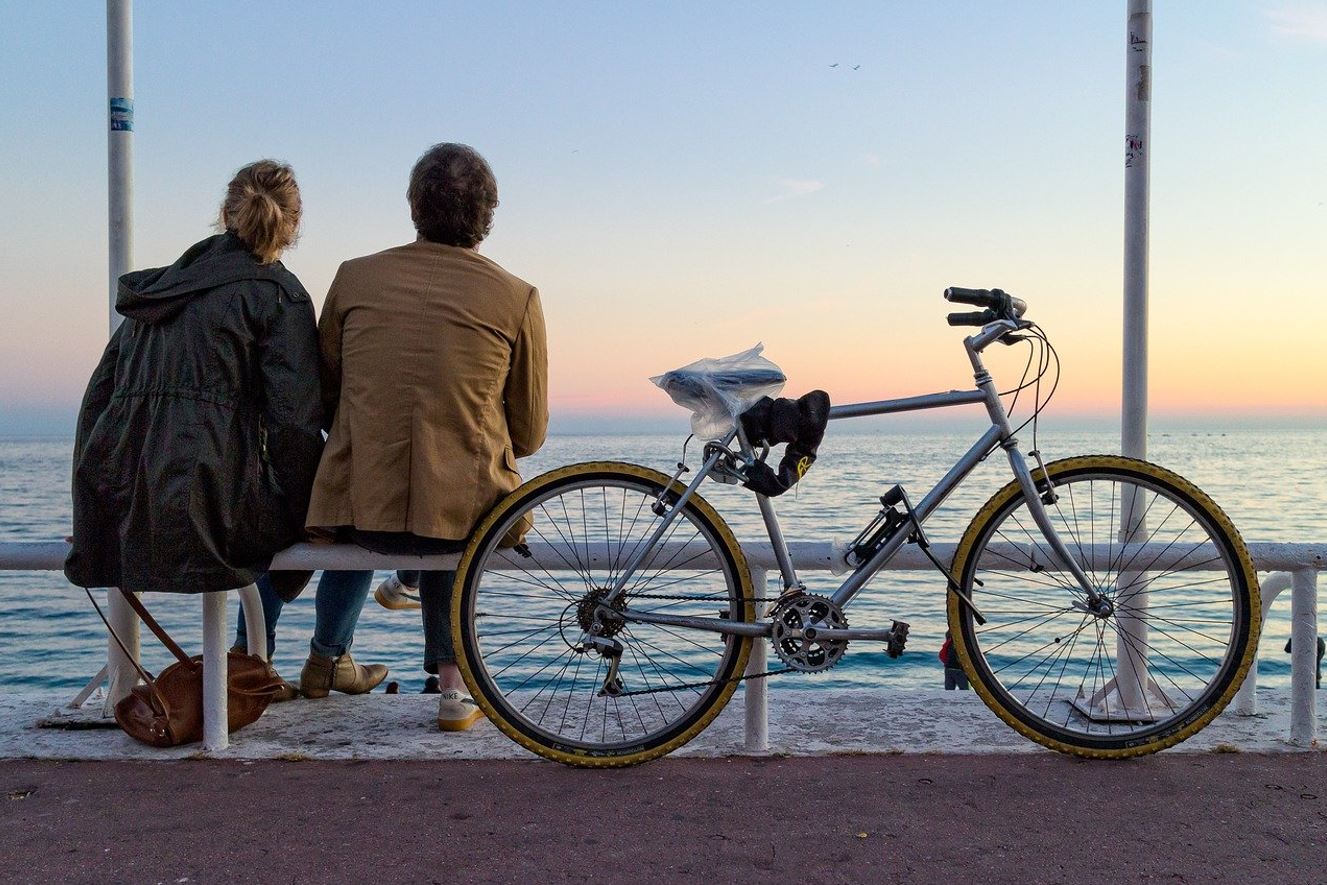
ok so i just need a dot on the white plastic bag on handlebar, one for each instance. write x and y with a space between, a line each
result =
717 390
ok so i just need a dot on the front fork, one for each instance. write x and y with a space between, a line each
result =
1092 601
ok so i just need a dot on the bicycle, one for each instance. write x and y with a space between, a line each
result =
1100 605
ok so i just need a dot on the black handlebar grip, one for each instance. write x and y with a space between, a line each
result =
973 318
979 297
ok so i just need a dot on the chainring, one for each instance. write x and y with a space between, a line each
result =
807 611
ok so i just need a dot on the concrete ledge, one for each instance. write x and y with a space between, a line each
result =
802 723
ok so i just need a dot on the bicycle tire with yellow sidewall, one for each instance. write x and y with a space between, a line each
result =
482 539
959 623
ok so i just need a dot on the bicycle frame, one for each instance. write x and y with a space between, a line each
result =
999 434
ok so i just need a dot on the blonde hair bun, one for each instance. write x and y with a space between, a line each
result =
262 208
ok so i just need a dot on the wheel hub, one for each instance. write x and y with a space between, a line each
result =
1101 607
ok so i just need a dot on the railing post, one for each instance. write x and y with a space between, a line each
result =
756 691
1246 700
121 675
1303 656
216 734
255 625
86 691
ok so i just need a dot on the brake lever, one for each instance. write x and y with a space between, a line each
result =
1012 338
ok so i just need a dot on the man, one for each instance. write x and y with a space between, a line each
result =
955 678
1322 648
434 365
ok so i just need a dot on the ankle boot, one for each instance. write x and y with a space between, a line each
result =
286 692
322 674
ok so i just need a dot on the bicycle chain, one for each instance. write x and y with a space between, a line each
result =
639 691
701 598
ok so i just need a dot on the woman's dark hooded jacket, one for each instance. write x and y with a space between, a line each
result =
200 432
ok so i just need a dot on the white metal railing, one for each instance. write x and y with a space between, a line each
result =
1295 567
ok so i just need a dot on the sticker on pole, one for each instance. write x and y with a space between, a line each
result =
122 115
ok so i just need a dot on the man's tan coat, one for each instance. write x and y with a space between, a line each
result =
435 368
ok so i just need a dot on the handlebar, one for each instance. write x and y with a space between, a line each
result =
999 303
979 297
975 318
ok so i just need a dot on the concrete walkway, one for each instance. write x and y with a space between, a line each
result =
802 723
925 818
884 786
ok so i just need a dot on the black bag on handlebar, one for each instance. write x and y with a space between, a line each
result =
798 422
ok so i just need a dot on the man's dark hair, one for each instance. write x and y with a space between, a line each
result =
452 195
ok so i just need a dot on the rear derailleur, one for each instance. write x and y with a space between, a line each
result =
610 649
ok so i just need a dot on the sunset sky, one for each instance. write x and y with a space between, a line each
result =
686 179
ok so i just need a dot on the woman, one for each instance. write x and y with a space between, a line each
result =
200 432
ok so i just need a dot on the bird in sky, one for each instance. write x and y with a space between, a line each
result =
856 67
835 65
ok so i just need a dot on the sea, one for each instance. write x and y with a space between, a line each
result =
1273 483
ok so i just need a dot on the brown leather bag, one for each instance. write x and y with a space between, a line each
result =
168 710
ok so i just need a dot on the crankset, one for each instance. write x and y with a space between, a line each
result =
803 632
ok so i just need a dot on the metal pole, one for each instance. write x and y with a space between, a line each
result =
1137 140
1132 682
120 142
216 731
255 627
756 698
1246 699
120 155
1303 657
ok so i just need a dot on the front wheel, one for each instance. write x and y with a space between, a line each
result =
564 671
1153 663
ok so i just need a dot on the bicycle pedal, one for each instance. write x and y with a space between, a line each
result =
898 639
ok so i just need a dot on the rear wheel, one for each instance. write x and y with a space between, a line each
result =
1151 666
523 616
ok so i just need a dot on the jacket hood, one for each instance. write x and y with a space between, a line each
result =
159 293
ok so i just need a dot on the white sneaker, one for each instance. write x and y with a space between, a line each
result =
457 711
392 594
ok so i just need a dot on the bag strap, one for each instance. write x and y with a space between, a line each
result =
147 677
137 605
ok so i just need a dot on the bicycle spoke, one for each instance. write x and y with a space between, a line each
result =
532 616
1134 667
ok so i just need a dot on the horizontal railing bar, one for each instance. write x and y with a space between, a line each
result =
809 555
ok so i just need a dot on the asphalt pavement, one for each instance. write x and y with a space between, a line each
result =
850 818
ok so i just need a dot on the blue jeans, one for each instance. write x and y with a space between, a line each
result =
339 600
341 596
272 605
435 588
955 678
435 602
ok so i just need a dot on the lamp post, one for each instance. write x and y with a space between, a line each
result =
119 160
1137 160
1132 680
